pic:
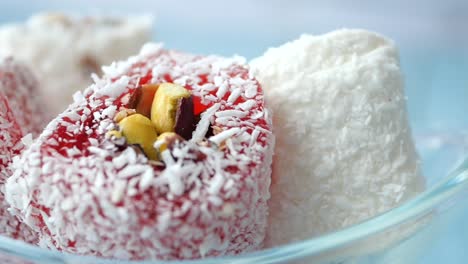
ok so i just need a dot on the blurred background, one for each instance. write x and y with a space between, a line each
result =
432 37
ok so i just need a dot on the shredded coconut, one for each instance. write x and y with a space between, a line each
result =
80 46
221 137
344 150
87 194
204 123
21 117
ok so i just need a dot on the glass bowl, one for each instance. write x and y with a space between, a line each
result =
433 41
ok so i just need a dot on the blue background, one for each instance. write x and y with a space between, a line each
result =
432 37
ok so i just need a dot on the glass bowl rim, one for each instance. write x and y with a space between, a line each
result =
452 184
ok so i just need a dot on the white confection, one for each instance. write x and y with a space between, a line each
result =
65 50
344 150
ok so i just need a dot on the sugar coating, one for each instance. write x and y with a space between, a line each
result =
84 194
64 50
344 150
20 113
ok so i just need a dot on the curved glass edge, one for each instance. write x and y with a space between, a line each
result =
450 185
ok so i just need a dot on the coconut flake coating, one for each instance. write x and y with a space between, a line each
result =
19 115
85 195
63 50
344 148
10 145
21 88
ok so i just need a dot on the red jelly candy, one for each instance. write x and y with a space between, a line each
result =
92 193
20 114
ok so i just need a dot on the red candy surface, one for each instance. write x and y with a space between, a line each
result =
20 114
20 87
10 135
207 196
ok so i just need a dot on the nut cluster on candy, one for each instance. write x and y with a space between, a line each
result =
160 115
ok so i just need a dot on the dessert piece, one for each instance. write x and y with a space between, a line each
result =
166 157
344 149
64 50
20 113
21 89
10 145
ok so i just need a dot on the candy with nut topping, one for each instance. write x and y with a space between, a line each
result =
20 114
168 156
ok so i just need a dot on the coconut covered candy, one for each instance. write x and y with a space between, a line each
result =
63 50
344 147
20 114
167 156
